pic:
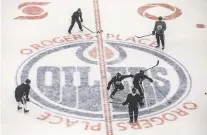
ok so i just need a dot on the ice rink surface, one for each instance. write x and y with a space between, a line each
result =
70 73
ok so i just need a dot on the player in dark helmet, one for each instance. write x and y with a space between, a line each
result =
133 99
137 82
160 18
75 18
117 82
159 28
22 95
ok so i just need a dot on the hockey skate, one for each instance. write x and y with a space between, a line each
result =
157 46
26 111
19 108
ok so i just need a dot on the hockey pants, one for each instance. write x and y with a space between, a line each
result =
160 37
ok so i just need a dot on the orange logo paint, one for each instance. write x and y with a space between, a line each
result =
143 11
108 53
32 11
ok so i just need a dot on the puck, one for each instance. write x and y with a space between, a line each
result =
205 93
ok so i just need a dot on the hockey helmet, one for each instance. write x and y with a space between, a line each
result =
28 81
141 71
79 9
134 90
118 74
160 18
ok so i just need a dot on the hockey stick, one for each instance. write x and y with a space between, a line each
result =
153 66
115 102
87 28
163 94
143 36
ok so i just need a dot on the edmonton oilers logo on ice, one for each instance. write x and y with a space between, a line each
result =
66 79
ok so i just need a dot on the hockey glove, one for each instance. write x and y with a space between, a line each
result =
141 104
108 88
153 32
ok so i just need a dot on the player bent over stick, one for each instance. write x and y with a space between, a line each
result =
139 77
117 81
133 99
22 95
75 18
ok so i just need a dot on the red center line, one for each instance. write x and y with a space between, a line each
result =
102 65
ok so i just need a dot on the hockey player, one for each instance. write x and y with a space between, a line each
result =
75 18
22 95
133 99
117 81
137 82
159 28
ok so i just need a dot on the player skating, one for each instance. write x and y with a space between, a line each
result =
117 82
137 82
75 18
22 95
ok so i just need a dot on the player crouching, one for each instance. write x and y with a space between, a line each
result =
117 82
21 95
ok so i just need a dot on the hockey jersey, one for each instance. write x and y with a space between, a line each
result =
22 90
76 15
117 81
160 27
139 77
133 100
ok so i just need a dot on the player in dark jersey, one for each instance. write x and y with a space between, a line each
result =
159 28
22 95
137 82
75 18
117 82
133 99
